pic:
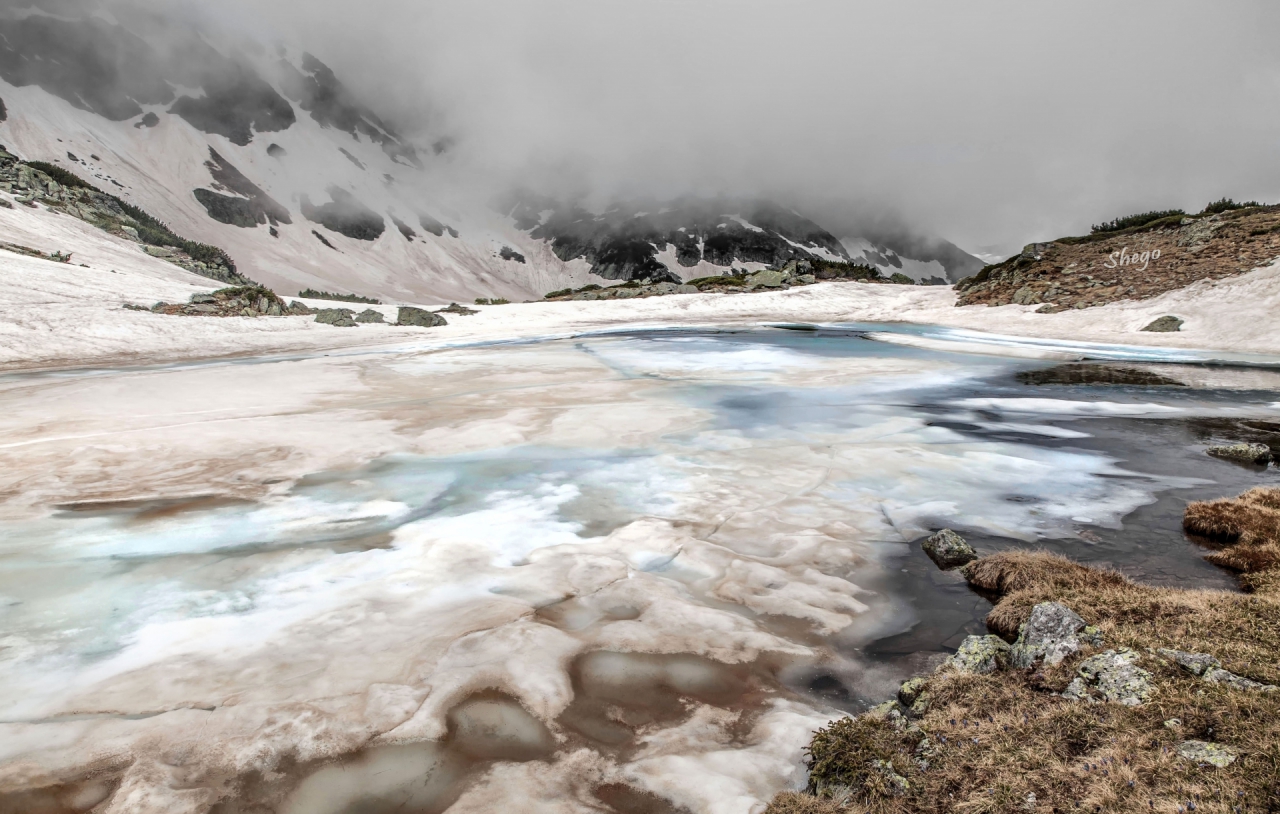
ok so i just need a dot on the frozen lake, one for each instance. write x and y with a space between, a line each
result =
626 572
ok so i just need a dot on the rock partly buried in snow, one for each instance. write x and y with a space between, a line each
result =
419 318
1235 682
1195 663
767 279
949 550
980 654
337 317
1210 754
240 301
454 308
1115 676
1097 374
1051 634
369 315
1245 453
1165 325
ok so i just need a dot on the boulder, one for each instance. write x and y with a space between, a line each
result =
337 317
686 289
1114 675
767 279
454 308
1194 663
1244 453
910 691
1052 633
369 315
949 550
1165 325
1207 754
980 654
418 318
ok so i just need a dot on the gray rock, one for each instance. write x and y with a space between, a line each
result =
1235 682
949 550
337 317
1210 754
1245 453
767 279
298 309
199 298
806 279
686 289
418 318
1077 690
1165 325
369 315
1052 633
980 654
1116 676
1194 663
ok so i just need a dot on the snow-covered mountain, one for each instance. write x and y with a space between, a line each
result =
263 151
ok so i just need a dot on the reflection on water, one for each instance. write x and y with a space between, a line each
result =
607 621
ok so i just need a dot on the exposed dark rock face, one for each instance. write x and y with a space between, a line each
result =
623 242
249 206
93 65
1165 325
276 151
509 253
404 228
149 120
435 227
1097 374
317 90
323 240
236 104
345 215
4 112
351 158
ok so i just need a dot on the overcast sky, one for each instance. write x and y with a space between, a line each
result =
983 122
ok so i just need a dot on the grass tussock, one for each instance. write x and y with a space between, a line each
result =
1006 742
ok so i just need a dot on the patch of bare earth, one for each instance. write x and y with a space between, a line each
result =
1007 741
1088 271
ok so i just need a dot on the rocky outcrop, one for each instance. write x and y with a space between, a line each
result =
435 227
419 318
949 550
337 317
509 253
1243 453
624 241
1136 263
247 206
461 310
345 215
369 316
1051 634
240 301
35 183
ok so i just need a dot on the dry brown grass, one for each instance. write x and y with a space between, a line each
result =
1248 526
1005 736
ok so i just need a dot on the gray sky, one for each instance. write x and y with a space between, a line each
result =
983 122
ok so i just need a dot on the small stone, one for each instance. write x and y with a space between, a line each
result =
1235 682
897 785
949 550
1117 677
1203 753
1052 633
418 318
369 315
1164 325
1245 453
910 691
980 654
1173 723
1194 663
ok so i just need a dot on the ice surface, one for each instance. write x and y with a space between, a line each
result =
486 565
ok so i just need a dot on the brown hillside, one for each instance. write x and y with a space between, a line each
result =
1073 273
